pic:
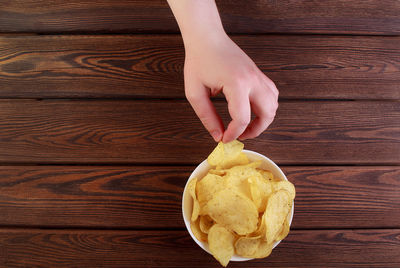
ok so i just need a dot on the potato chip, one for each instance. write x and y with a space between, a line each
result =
278 207
253 247
194 226
219 172
284 231
232 149
226 155
285 228
247 246
260 228
286 185
267 175
207 187
236 184
221 241
255 192
244 171
264 250
192 192
217 155
237 178
241 159
234 211
260 190
205 223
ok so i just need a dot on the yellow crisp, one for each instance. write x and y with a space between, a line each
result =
196 206
234 211
221 242
194 226
206 223
278 207
227 155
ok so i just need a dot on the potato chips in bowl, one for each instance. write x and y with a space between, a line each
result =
237 205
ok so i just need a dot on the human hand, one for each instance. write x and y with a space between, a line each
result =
218 64
214 63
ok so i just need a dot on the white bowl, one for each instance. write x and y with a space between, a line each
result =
202 169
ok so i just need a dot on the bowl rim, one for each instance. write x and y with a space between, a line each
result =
187 222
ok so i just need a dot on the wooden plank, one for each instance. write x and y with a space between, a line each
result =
109 248
343 16
150 197
346 196
62 131
151 66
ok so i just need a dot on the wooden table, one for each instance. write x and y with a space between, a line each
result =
97 139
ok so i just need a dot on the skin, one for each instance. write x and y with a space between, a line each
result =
214 64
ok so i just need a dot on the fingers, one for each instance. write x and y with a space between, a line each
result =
240 112
264 105
256 127
199 97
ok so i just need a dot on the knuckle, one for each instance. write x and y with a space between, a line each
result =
275 106
272 86
240 81
254 74
191 96
243 121
276 91
272 113
272 110
265 115
269 112
273 99
245 78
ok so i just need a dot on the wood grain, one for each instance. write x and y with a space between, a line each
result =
323 132
150 196
105 248
261 16
307 67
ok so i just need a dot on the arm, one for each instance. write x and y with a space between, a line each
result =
214 63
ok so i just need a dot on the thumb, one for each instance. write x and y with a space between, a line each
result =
199 97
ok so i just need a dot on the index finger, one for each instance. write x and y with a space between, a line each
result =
240 112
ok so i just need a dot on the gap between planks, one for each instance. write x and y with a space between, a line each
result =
155 164
29 228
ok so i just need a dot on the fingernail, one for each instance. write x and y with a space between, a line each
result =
217 135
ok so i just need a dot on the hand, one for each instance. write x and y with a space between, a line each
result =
218 64
215 63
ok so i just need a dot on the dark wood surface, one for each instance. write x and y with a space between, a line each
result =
85 66
97 140
260 16
150 196
62 131
111 248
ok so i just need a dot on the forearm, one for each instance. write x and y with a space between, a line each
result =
198 20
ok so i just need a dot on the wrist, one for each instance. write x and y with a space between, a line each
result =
204 38
199 21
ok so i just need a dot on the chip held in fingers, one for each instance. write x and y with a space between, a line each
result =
239 208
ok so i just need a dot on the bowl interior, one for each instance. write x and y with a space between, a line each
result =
201 171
